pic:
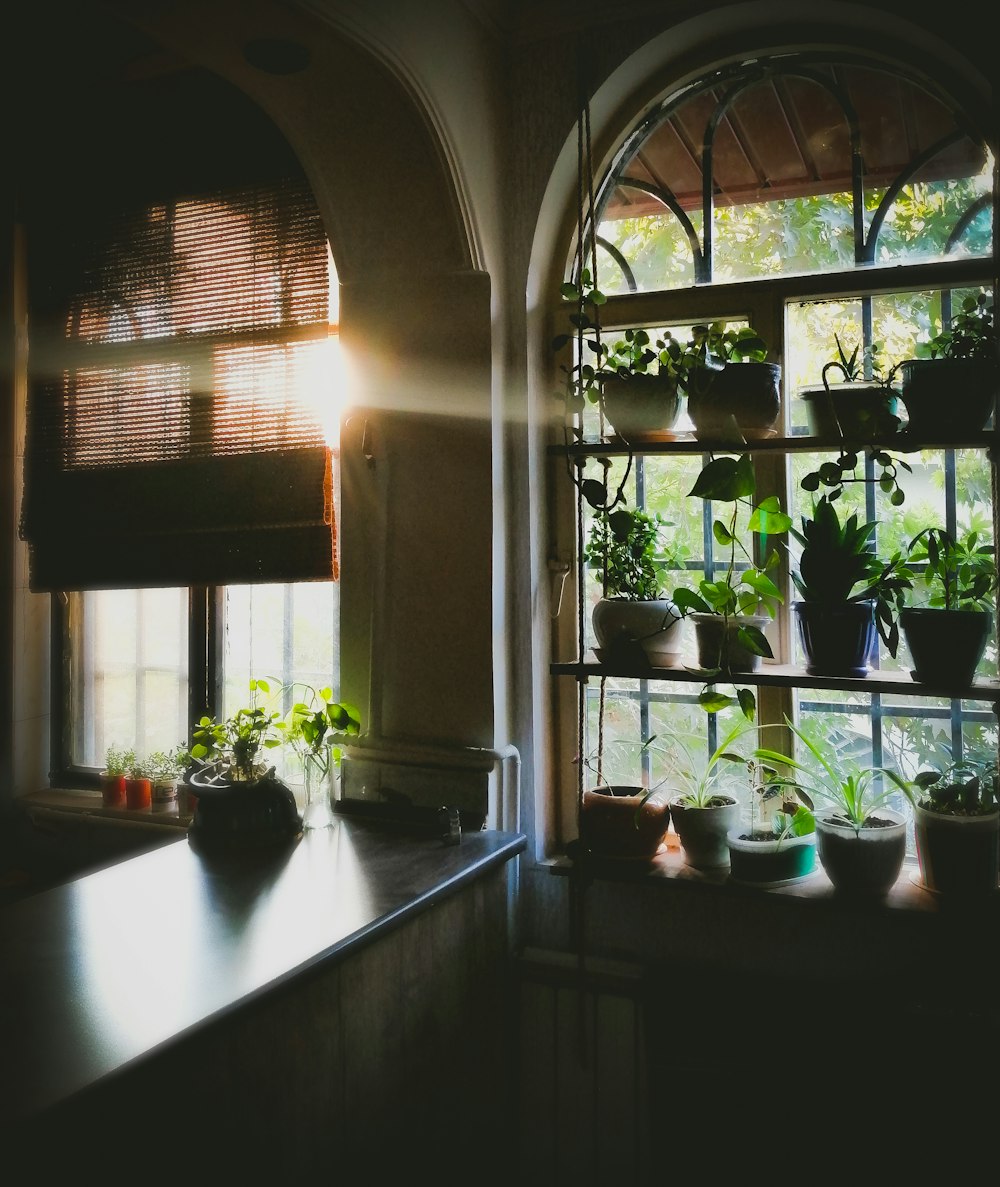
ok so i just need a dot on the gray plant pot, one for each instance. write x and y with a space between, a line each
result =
863 862
702 832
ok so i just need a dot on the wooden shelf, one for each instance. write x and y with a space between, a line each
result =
784 676
900 443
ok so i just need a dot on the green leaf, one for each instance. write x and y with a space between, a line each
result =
748 703
713 701
725 479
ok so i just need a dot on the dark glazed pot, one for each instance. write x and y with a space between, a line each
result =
747 393
837 640
948 399
235 816
851 411
945 645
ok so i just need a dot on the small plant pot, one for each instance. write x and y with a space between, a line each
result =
719 645
946 645
958 856
703 831
748 393
656 627
164 793
112 790
768 863
837 640
866 861
138 793
851 411
641 408
617 820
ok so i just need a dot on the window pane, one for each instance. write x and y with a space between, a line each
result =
129 680
283 634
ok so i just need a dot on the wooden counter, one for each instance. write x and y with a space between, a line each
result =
273 993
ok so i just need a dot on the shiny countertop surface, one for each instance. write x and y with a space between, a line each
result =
103 970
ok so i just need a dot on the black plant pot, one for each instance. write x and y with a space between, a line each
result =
948 399
837 640
237 816
747 393
945 645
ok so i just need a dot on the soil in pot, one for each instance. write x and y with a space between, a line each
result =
865 861
618 820
703 831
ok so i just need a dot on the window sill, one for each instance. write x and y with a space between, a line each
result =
669 870
89 803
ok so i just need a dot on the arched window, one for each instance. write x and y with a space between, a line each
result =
824 200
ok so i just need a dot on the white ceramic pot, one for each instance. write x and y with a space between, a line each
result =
656 626
864 861
711 630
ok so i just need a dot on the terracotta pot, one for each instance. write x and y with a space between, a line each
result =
112 790
622 821
138 793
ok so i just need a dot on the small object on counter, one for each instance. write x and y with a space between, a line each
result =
451 825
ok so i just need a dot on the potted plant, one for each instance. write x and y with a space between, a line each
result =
956 824
733 392
314 728
779 846
950 388
957 578
632 620
117 764
860 837
240 802
705 807
138 783
862 406
641 381
849 597
619 819
166 769
730 612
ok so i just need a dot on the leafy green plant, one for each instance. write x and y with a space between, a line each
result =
698 776
855 794
745 587
624 546
957 573
858 366
779 808
970 787
316 726
169 764
636 353
837 564
836 474
118 760
232 746
140 767
971 333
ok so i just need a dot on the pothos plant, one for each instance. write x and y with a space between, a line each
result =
745 587
316 726
231 748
